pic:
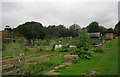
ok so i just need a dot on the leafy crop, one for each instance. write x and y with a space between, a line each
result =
65 48
83 54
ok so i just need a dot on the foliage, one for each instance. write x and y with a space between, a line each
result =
110 30
82 40
93 27
42 67
42 42
98 50
3 47
64 48
75 61
37 69
74 30
31 31
83 54
21 40
57 31
66 41
6 40
102 29
107 39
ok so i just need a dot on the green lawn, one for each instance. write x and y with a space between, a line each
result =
103 63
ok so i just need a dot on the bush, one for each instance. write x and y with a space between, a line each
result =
83 54
98 50
82 40
65 48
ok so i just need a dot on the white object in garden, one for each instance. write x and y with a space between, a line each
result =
21 54
58 46
19 60
72 46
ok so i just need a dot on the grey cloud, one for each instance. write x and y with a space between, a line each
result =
0 15
66 13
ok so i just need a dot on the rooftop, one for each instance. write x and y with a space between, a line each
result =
94 34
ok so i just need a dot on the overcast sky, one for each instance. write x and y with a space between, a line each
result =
60 12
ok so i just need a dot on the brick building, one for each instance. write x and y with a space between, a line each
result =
109 35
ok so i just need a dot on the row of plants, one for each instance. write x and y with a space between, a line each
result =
81 52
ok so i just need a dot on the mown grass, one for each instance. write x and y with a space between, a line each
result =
103 63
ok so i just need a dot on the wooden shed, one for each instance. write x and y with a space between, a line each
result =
95 38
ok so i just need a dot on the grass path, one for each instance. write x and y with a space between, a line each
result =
103 63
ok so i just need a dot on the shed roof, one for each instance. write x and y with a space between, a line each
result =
94 34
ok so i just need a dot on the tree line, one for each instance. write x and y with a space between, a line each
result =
33 30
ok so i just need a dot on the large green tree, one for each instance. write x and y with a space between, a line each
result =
51 31
74 30
102 29
63 31
30 30
93 27
110 30
57 31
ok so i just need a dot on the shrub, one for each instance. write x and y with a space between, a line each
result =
98 50
83 54
65 48
82 40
